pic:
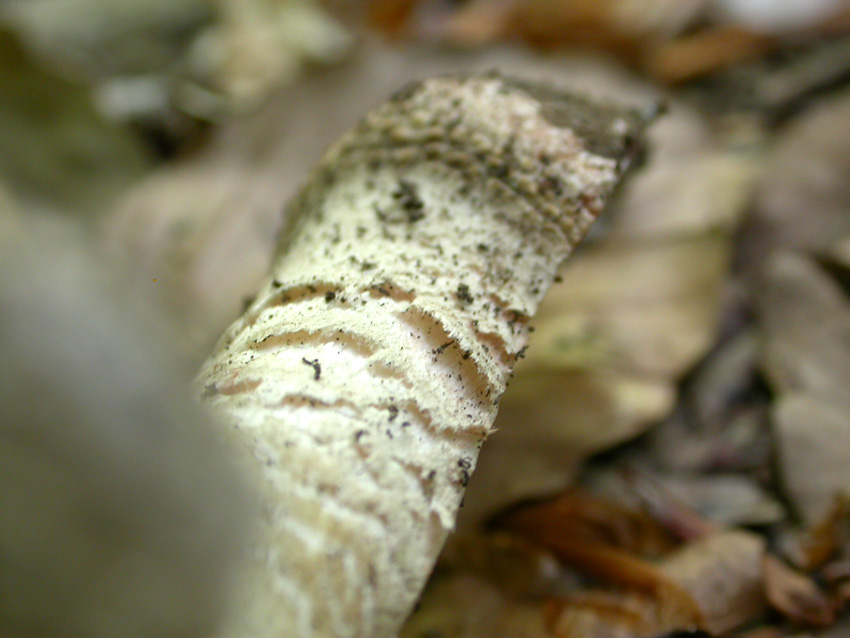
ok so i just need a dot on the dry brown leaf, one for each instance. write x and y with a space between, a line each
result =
611 342
634 311
813 446
692 506
795 595
713 582
687 189
514 565
519 465
391 16
705 52
672 40
204 231
581 410
486 612
837 571
823 540
605 541
725 499
803 197
672 605
744 445
572 22
577 517
763 632
625 27
610 614
805 318
840 253
479 22
841 629
641 307
723 573
645 33
842 595
715 390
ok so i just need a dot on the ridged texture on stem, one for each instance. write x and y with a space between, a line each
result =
367 372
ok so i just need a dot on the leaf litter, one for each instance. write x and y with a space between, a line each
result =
673 456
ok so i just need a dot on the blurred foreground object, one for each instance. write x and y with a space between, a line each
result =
170 67
121 510
58 153
99 38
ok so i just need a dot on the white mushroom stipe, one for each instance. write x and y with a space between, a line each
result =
367 373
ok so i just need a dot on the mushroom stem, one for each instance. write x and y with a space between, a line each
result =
367 373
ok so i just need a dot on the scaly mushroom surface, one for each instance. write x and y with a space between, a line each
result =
367 373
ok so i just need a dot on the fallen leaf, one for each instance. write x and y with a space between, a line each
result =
391 16
823 540
608 614
841 629
720 499
723 574
479 21
795 595
644 307
605 541
801 200
837 571
723 381
813 448
576 516
512 564
805 318
486 611
705 52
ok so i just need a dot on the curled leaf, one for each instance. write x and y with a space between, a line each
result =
795 595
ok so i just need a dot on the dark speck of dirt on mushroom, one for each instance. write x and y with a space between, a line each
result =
407 195
440 349
463 294
317 368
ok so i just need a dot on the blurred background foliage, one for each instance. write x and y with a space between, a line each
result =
694 360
